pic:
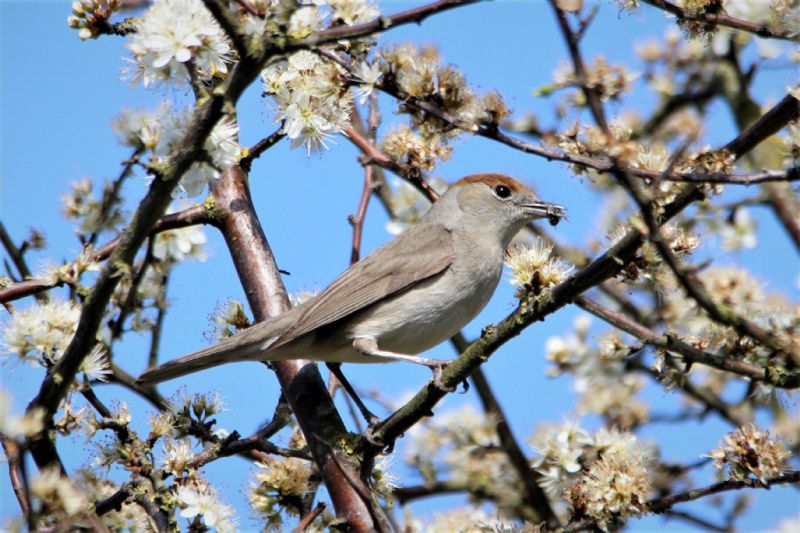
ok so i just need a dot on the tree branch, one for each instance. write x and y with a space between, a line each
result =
762 30
534 497
776 377
665 503
300 380
188 217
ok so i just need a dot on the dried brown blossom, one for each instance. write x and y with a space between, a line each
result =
749 453
407 148
617 485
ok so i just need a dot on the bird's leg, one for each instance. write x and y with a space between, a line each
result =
336 370
369 346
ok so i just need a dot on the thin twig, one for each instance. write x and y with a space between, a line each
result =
762 30
357 220
309 518
375 156
14 253
14 457
599 165
111 195
534 497
776 377
665 503
260 147
189 217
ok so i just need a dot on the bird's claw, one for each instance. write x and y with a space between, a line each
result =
437 376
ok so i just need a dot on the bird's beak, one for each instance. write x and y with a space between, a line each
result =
552 212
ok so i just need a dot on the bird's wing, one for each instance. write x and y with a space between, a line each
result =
398 265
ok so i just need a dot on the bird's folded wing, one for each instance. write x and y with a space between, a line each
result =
403 262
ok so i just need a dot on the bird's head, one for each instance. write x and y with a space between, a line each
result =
495 204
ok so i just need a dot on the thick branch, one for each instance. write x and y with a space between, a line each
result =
300 380
59 380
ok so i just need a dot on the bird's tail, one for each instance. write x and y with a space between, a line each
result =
225 352
249 345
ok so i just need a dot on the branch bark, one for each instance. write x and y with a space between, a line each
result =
299 379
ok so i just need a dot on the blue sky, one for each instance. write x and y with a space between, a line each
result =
58 96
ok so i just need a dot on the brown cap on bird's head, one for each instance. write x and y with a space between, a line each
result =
504 186
492 179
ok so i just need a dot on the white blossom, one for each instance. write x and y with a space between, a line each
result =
533 267
305 21
13 426
96 364
44 329
221 146
203 500
368 75
171 34
353 11
179 244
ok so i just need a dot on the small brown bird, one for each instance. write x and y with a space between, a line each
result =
411 294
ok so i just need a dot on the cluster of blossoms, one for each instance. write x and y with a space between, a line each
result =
750 453
280 485
311 97
534 270
649 265
591 141
463 446
162 132
608 81
420 153
41 333
616 485
419 73
61 499
603 385
738 290
605 476
86 14
91 214
176 37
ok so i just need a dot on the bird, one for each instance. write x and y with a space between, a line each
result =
406 297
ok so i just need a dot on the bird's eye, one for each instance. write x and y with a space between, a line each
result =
502 191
